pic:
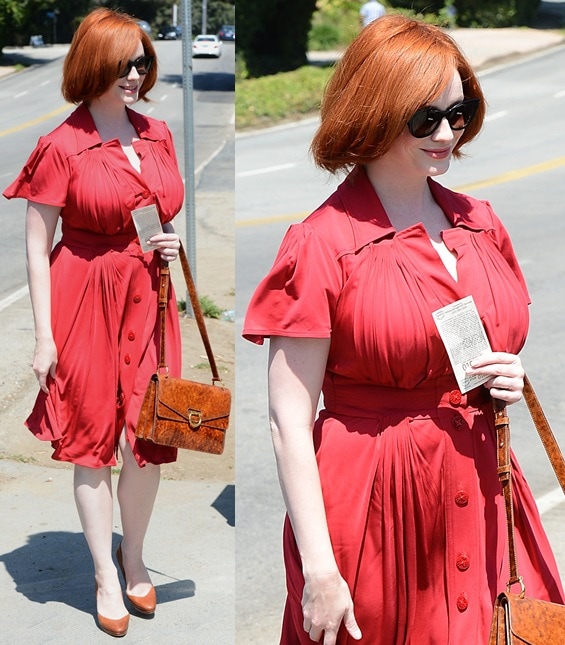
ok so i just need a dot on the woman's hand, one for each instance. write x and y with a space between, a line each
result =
326 602
168 245
507 373
44 361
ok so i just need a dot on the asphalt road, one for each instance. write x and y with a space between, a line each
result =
517 163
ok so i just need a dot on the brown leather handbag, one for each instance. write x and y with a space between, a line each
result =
178 412
517 618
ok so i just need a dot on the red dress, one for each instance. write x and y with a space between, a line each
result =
407 463
103 288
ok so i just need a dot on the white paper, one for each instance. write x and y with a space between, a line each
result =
464 337
147 224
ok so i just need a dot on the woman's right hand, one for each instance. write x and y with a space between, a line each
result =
326 602
44 361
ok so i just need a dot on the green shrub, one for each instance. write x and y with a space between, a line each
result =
287 95
323 37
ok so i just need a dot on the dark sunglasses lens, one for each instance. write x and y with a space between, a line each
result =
141 64
423 123
426 121
461 115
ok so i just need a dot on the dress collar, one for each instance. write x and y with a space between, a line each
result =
370 221
87 136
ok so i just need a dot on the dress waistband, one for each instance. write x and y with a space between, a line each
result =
75 237
373 400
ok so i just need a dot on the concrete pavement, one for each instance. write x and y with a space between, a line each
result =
485 47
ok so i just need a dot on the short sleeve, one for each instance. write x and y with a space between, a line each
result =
504 243
44 178
298 297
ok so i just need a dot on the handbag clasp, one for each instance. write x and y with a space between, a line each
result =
194 418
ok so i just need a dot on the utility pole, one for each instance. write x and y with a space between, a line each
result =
189 181
204 16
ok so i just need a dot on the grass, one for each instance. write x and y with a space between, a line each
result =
209 308
280 97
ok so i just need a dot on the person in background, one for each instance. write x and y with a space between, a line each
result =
370 11
396 529
94 295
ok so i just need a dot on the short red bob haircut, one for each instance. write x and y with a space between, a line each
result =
392 69
103 42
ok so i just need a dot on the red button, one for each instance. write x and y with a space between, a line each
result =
455 397
137 298
458 422
127 359
463 562
131 335
462 602
461 498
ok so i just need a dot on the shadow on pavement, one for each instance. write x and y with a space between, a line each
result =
206 82
55 566
225 504
34 57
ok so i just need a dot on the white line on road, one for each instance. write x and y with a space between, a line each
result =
496 115
44 83
261 171
210 158
17 295
19 94
550 500
164 97
560 95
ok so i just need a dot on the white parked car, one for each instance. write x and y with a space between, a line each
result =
207 45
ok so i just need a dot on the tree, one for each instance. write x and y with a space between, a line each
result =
272 35
11 15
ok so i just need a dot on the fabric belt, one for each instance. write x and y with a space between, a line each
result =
371 401
79 238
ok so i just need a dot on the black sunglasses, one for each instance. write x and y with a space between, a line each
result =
141 64
426 121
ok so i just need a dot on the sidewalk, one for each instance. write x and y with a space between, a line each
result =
484 47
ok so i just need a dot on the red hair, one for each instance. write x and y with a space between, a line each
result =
392 69
103 42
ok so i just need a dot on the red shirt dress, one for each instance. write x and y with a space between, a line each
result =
103 288
407 462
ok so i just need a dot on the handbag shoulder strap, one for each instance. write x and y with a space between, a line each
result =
502 425
546 435
164 280
163 298
198 315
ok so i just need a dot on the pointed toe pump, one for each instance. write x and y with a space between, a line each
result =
144 604
116 627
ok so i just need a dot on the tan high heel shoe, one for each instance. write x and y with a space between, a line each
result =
116 627
144 604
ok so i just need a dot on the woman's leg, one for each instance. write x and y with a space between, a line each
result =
93 496
137 490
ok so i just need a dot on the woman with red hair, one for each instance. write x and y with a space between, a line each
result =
94 294
395 530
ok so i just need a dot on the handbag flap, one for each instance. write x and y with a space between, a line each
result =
192 402
536 622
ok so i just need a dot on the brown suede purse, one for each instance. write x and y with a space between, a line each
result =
178 412
518 619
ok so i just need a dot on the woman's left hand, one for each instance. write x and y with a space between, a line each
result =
507 374
168 245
